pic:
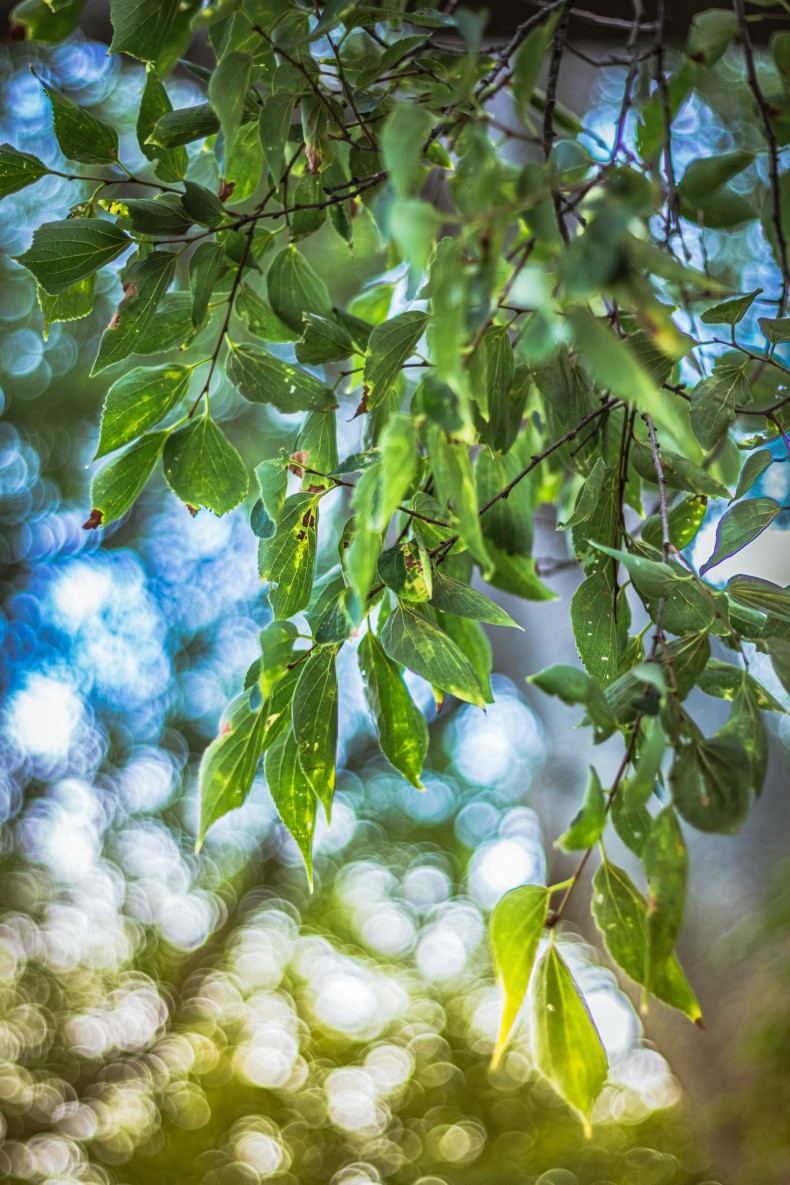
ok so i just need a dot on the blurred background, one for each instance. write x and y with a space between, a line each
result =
204 1019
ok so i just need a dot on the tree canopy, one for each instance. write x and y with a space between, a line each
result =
377 222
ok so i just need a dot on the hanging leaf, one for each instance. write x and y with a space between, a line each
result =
754 467
389 346
65 252
140 27
729 312
402 731
138 400
739 527
294 288
568 1050
288 559
228 765
81 136
666 865
117 486
415 642
18 170
146 282
203 468
262 378
315 723
620 913
514 931
595 627
711 784
451 596
585 830
292 795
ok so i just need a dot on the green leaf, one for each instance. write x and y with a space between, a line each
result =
507 524
203 206
140 27
472 641
652 578
595 628
292 795
568 1050
205 266
322 340
406 569
632 826
572 686
275 122
176 128
620 913
739 526
452 596
315 723
42 23
145 285
517 575
701 178
171 164
18 169
227 90
389 346
415 642
725 681
637 790
262 378
711 33
317 440
776 329
294 288
413 226
600 527
260 319
228 766
455 485
685 519
711 784
401 726
64 252
747 726
666 866
492 371
527 65
729 312
713 403
73 304
588 497
116 487
272 477
585 829
514 931
679 472
138 400
288 558
637 692
203 468
402 137
616 367
762 595
754 466
80 135
779 651
689 657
